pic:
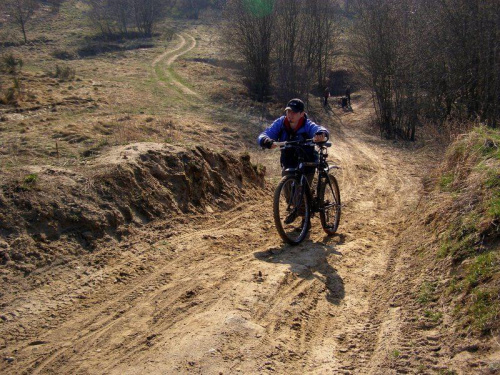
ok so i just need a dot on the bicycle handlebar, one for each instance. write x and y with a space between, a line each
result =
306 142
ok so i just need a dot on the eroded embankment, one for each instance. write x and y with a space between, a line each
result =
52 212
445 289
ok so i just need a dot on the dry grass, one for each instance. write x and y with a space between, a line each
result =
73 109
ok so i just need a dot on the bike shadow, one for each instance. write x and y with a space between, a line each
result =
311 260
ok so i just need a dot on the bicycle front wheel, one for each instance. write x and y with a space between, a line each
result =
329 205
292 210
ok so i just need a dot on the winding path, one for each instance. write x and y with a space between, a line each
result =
162 64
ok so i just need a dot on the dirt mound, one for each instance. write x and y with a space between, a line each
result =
54 212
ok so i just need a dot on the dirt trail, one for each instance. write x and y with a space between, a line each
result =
222 294
163 62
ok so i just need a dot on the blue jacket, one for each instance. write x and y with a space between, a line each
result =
278 131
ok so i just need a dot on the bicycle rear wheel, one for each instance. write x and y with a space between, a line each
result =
292 210
329 205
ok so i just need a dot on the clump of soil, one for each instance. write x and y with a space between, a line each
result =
55 212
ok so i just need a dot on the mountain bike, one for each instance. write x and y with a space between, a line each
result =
295 202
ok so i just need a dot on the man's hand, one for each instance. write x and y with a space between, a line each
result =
320 137
268 143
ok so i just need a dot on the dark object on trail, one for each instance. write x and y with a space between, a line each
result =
344 101
326 96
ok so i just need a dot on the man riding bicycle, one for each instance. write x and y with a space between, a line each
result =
294 196
294 126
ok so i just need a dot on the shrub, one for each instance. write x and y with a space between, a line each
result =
11 94
10 64
31 178
64 73
63 54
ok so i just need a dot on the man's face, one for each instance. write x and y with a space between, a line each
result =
294 117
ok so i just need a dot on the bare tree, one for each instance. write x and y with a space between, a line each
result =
102 16
122 12
248 32
286 43
21 11
320 35
116 16
291 79
375 52
192 8
386 50
433 59
304 40
55 5
147 13
465 40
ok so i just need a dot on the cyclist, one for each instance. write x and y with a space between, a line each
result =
294 126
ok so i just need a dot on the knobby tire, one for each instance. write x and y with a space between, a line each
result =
330 207
283 206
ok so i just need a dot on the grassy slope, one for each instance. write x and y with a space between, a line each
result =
463 213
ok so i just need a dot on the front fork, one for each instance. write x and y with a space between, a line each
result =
315 206
309 192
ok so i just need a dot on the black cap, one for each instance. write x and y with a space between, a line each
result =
295 105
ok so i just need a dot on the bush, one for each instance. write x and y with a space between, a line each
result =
9 64
63 54
11 95
64 73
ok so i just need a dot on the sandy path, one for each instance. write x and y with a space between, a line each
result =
222 294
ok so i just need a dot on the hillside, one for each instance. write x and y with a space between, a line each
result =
136 228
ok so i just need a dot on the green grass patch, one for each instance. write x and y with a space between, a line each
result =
29 182
447 372
446 181
485 309
434 316
482 269
489 148
494 206
427 292
31 178
459 243
493 179
395 354
177 77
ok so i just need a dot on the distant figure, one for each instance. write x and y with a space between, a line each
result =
344 102
348 94
326 95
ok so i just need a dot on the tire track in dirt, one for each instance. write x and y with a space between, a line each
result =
374 197
105 318
162 64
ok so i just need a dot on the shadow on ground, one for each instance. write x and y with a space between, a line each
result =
311 260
